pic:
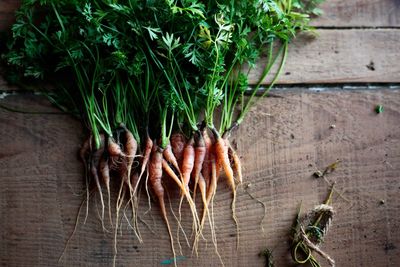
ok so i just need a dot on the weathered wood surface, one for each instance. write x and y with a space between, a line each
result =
282 142
337 13
341 56
359 13
7 9
337 56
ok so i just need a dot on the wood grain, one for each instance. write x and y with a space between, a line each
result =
359 13
337 13
341 56
337 56
282 142
7 9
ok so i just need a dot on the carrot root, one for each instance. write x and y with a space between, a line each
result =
235 160
156 172
200 151
95 162
222 157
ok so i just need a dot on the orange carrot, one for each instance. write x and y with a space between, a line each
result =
211 190
170 157
185 192
187 162
85 149
114 149
97 154
213 176
116 155
186 169
221 153
168 170
181 186
203 192
146 156
135 179
130 150
155 176
199 155
135 227
206 169
124 168
178 142
105 174
235 160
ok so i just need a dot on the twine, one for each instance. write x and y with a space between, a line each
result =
328 212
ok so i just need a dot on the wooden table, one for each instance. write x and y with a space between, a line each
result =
335 79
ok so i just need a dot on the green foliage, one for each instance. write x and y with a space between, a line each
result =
179 56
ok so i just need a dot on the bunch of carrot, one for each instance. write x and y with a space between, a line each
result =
148 79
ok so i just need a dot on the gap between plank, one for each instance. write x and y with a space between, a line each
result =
357 27
327 87
279 87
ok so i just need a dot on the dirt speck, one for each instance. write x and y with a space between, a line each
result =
371 66
389 246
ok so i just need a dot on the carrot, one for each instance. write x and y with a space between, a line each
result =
168 170
206 169
221 153
130 152
199 155
114 149
178 142
146 156
203 192
170 157
185 193
119 204
105 174
85 149
186 169
127 156
234 158
181 186
187 162
134 183
116 154
155 176
211 190
97 154
171 173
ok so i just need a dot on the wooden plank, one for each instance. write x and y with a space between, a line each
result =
282 142
359 13
341 56
337 13
338 56
7 8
